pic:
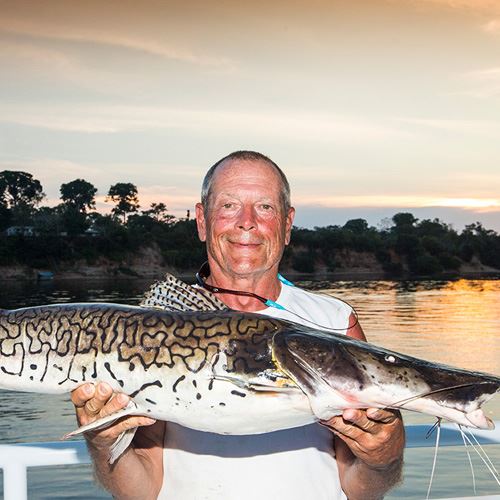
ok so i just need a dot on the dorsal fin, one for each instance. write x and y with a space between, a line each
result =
172 294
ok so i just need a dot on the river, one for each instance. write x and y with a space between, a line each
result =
455 322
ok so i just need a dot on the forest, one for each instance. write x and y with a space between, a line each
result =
43 237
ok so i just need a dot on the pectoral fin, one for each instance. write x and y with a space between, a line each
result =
123 440
121 444
255 386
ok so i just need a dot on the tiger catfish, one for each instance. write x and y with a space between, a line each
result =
184 357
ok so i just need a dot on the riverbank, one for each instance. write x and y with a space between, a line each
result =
148 262
154 272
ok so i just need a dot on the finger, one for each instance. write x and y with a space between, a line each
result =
102 394
116 403
341 428
110 434
351 443
357 417
352 423
385 416
127 423
82 394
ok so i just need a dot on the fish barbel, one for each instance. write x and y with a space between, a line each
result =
182 356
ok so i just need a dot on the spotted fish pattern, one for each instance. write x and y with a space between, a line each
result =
63 345
184 357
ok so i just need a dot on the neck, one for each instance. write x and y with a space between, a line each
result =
265 284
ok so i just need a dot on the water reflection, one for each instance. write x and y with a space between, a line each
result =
454 322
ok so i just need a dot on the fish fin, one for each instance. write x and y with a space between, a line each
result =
251 386
121 444
325 401
102 423
232 380
122 441
172 294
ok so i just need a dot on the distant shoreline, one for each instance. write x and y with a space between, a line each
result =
8 274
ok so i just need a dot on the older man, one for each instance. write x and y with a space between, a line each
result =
245 218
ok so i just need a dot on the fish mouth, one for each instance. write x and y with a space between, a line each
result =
479 420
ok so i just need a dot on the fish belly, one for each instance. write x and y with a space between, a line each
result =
203 403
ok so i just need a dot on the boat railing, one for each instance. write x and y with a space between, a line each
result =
16 459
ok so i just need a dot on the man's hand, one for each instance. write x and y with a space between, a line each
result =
139 471
94 402
374 436
369 451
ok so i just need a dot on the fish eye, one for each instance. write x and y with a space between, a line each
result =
390 358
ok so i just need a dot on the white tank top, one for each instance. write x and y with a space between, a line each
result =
294 463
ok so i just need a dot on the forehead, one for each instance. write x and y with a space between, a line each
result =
246 175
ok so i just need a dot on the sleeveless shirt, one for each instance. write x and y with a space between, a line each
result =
293 463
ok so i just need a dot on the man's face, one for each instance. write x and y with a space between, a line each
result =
245 228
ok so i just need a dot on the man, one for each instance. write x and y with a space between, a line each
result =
245 218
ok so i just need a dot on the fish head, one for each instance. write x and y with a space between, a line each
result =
337 372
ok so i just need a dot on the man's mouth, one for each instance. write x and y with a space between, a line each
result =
245 244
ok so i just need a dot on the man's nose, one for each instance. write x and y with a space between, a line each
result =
246 219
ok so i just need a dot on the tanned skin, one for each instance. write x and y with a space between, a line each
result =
246 230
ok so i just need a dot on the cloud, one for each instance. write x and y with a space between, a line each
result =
479 6
492 27
480 127
51 169
387 201
93 36
312 127
35 54
314 215
483 83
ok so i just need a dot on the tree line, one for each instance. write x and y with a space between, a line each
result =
40 236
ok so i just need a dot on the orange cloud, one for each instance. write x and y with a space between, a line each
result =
74 33
479 6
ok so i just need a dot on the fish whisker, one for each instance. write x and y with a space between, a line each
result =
484 453
402 402
436 426
486 460
469 457
432 429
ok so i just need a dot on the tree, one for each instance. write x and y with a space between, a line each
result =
5 216
80 194
124 194
404 221
158 212
357 226
19 189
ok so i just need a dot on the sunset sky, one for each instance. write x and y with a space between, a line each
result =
370 107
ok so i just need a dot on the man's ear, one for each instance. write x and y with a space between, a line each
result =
200 222
288 224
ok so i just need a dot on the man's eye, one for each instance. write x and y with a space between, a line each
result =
266 207
227 205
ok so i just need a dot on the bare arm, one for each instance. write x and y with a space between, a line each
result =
138 472
369 452
369 448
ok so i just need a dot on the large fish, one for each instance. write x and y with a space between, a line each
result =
184 357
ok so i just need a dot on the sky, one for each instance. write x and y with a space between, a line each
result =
370 107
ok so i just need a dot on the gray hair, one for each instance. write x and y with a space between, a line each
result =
206 187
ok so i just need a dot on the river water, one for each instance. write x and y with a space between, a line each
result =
454 322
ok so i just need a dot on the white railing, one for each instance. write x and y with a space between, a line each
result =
15 459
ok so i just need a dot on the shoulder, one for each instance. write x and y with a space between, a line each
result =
321 299
318 308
